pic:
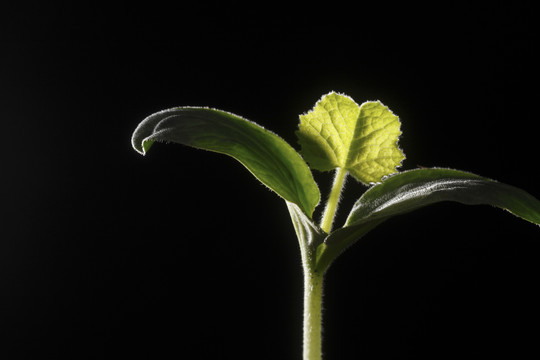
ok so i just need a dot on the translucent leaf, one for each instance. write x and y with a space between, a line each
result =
268 157
338 133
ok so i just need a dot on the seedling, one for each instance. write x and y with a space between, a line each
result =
338 135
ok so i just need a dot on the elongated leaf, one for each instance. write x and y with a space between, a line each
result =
268 157
413 189
410 190
338 133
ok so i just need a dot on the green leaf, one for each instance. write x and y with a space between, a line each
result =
268 157
338 133
410 190
413 189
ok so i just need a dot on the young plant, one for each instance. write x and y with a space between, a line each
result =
337 135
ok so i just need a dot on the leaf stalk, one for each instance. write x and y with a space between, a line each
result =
333 200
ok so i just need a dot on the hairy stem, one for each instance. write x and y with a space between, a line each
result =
333 200
313 284
313 277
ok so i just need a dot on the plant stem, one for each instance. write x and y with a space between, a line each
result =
333 200
313 279
313 284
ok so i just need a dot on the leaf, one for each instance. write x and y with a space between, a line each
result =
410 190
268 157
338 133
413 189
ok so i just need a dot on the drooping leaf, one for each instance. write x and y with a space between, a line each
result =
413 189
338 133
410 190
267 156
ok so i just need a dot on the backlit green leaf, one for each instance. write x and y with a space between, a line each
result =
268 157
338 133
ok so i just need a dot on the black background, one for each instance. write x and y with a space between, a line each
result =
105 254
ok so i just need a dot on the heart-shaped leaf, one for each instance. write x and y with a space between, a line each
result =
410 190
338 133
267 156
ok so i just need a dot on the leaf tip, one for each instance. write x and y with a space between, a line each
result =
142 138
140 145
